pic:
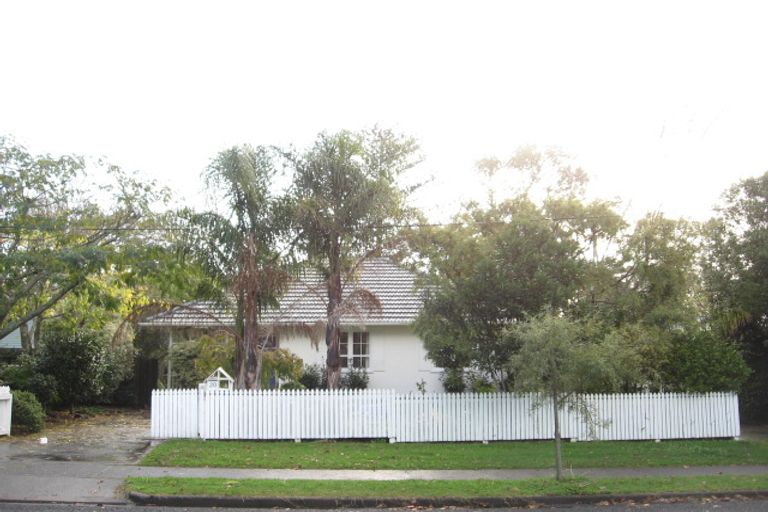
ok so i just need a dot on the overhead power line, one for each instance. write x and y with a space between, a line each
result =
13 227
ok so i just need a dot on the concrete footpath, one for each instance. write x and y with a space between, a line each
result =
99 482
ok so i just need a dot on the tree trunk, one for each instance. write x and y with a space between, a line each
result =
252 350
37 333
30 337
333 332
248 356
239 362
27 345
558 449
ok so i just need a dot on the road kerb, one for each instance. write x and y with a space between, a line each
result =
479 502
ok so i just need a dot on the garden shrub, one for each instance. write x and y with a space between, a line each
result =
292 385
479 384
453 380
280 365
8 356
78 367
702 362
355 378
214 352
18 374
27 415
24 376
183 358
313 377
125 394
46 388
118 368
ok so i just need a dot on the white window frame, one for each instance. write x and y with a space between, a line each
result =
361 359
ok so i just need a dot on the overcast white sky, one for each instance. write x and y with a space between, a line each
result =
664 103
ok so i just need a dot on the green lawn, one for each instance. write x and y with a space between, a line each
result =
501 455
442 488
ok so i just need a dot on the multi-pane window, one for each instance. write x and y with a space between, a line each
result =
358 355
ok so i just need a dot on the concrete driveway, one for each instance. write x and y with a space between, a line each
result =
81 461
117 435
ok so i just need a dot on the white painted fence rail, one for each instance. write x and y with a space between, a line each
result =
415 417
6 406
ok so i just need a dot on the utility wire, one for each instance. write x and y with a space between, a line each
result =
12 227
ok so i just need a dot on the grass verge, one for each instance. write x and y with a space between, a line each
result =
443 488
499 455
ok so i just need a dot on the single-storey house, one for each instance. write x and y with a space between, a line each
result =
381 341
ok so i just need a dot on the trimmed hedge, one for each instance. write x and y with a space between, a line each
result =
27 415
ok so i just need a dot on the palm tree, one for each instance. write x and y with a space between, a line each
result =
239 247
347 202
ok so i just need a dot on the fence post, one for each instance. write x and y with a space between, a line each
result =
6 408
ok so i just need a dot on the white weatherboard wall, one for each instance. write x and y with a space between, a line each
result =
416 417
6 406
398 359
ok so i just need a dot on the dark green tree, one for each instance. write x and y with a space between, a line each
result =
648 295
702 362
659 278
491 268
735 271
499 263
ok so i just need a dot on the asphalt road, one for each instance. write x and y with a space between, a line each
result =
736 505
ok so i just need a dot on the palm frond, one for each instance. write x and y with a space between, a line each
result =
359 304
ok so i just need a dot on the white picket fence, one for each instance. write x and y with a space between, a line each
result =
415 417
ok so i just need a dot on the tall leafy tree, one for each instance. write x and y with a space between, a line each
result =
348 199
735 271
495 265
60 233
658 270
489 269
658 307
647 295
240 246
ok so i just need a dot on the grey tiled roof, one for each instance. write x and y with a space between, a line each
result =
196 313
306 301
12 341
